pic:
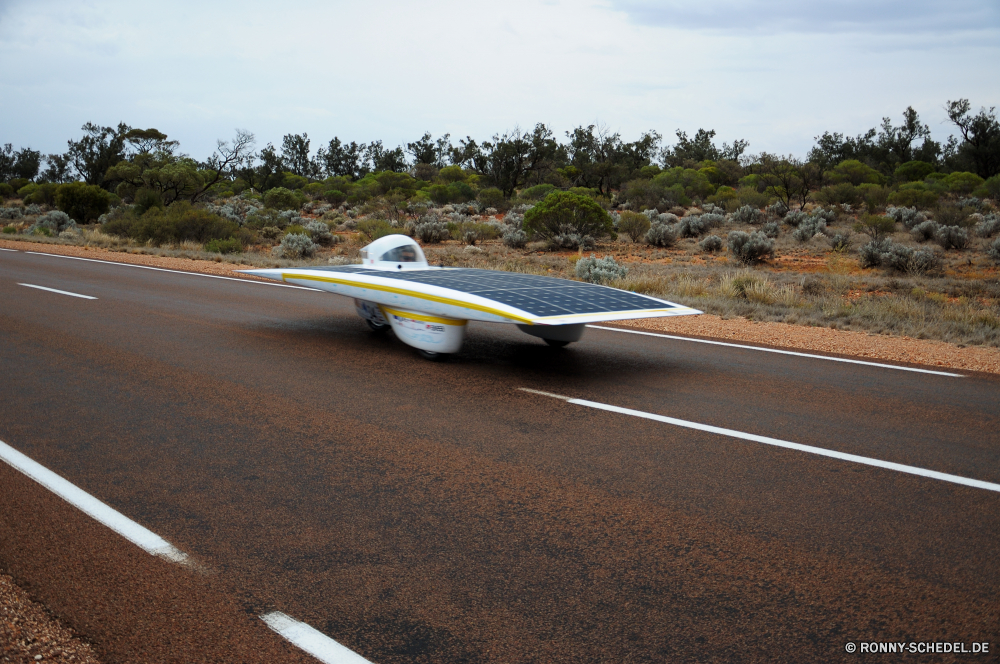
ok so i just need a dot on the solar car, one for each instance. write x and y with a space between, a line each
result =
429 307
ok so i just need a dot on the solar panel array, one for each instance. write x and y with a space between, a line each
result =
537 295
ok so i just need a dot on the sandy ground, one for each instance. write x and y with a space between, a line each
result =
29 633
781 335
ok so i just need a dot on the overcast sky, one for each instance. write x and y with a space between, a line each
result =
775 73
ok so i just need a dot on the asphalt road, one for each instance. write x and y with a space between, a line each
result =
434 512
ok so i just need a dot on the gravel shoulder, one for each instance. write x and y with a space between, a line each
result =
780 335
30 633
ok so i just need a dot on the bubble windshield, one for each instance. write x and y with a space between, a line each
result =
402 254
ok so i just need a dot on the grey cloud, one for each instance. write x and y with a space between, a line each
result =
897 17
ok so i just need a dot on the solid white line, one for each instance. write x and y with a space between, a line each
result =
781 352
163 269
130 530
2 249
314 642
61 292
912 470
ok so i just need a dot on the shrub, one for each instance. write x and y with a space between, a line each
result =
841 242
567 214
230 246
992 187
844 193
373 229
870 254
537 193
989 226
748 215
334 196
54 222
294 245
600 270
661 234
11 213
874 226
320 233
912 171
772 229
750 248
6 190
280 198
919 198
898 257
908 216
925 231
810 227
179 222
748 286
82 201
951 215
515 238
952 237
431 232
9 230
41 194
145 199
993 252
795 217
492 197
963 182
634 225
855 172
712 243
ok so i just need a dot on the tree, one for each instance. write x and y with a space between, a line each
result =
57 169
427 151
82 202
383 159
689 151
342 160
226 159
980 147
507 158
19 164
783 178
564 212
875 227
98 150
295 155
264 175
602 161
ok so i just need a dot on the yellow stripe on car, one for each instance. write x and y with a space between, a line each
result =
423 318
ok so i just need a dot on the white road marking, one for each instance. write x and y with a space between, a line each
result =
116 521
2 249
163 269
780 352
912 470
61 292
314 642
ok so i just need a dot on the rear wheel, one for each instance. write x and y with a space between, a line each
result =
556 343
431 355
377 327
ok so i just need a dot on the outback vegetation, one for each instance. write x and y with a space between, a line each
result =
888 231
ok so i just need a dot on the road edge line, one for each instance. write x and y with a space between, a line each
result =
311 640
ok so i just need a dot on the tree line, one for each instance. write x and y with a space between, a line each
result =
126 161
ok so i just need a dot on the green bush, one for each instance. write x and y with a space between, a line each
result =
84 202
652 194
600 270
314 189
566 213
963 183
439 193
855 172
748 196
373 229
537 193
460 192
634 225
6 191
230 246
874 226
839 194
992 187
9 230
913 171
334 196
280 198
181 221
493 198
145 199
452 174
40 194
917 198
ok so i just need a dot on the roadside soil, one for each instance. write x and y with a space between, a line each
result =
30 633
779 335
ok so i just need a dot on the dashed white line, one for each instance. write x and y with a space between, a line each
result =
2 249
314 642
780 352
889 465
116 521
163 269
61 292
